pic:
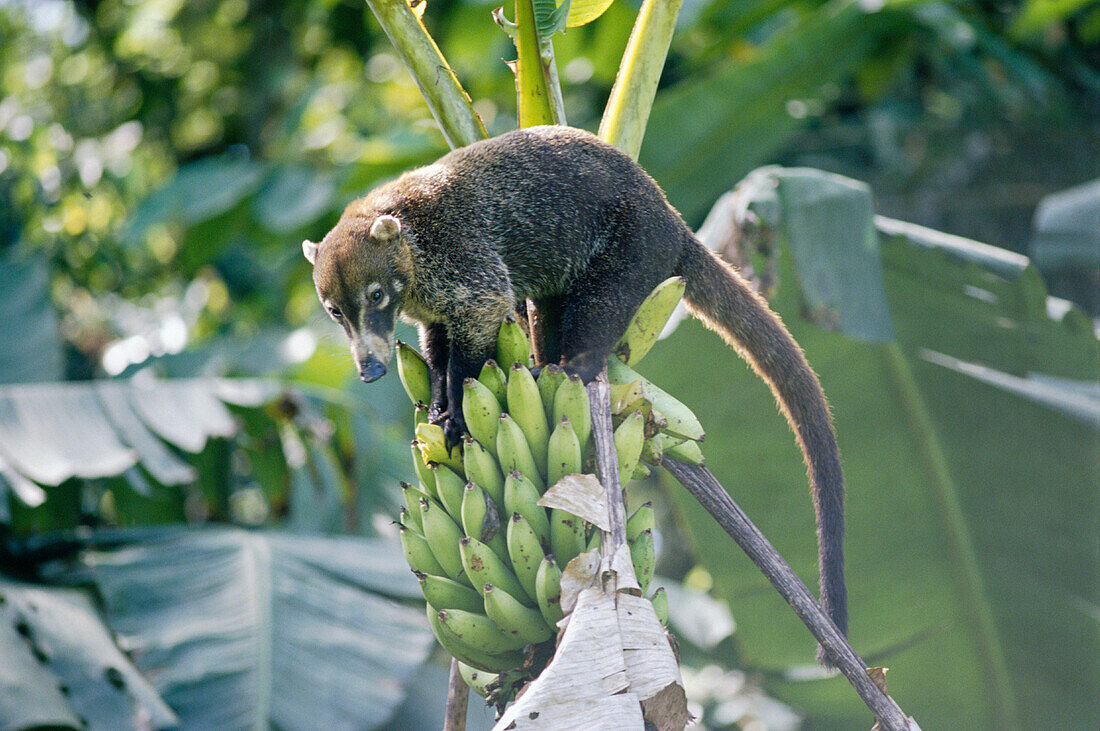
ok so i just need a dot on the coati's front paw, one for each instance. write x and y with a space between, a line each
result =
435 412
453 427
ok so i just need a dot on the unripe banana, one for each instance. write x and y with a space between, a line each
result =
550 377
492 376
521 496
418 554
477 630
649 320
481 520
483 567
433 447
449 487
514 619
444 593
629 437
572 400
548 590
512 345
659 600
525 407
463 652
423 472
442 535
420 414
412 497
481 467
640 472
644 558
477 680
481 410
653 450
567 535
681 421
687 451
526 553
413 372
513 453
595 541
563 453
641 519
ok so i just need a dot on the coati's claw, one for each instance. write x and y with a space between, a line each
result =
453 429
436 413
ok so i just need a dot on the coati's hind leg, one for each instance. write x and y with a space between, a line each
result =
546 330
599 306
436 347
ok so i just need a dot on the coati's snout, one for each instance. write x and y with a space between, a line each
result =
360 287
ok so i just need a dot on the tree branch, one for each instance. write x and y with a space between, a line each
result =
458 694
711 495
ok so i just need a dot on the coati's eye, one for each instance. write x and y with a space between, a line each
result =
335 312
376 296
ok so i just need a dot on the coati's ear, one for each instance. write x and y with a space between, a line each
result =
385 228
310 250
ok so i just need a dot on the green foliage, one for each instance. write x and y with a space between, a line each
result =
938 431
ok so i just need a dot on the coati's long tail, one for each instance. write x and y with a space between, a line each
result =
725 303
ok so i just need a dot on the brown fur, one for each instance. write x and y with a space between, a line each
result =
555 215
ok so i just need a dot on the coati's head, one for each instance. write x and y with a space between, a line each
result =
362 269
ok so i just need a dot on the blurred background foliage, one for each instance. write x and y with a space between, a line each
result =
161 160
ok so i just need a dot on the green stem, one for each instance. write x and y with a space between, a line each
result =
447 100
624 119
533 103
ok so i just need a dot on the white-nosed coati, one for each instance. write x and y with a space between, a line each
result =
554 215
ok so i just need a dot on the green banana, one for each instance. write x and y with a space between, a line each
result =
412 501
477 680
563 453
513 451
659 600
548 591
525 407
420 414
418 554
644 558
567 535
481 467
512 345
423 472
444 593
687 451
595 541
483 567
681 421
572 400
641 519
649 320
413 372
640 472
449 487
477 630
521 496
525 551
481 410
472 656
442 535
493 378
653 450
481 520
550 377
514 619
433 447
629 437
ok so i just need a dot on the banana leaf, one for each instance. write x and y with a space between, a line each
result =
230 628
970 446
28 324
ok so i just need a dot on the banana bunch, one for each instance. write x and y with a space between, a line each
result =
488 557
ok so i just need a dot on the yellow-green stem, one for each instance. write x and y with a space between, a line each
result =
447 100
534 105
624 119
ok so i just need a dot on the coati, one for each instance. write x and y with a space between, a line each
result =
554 215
